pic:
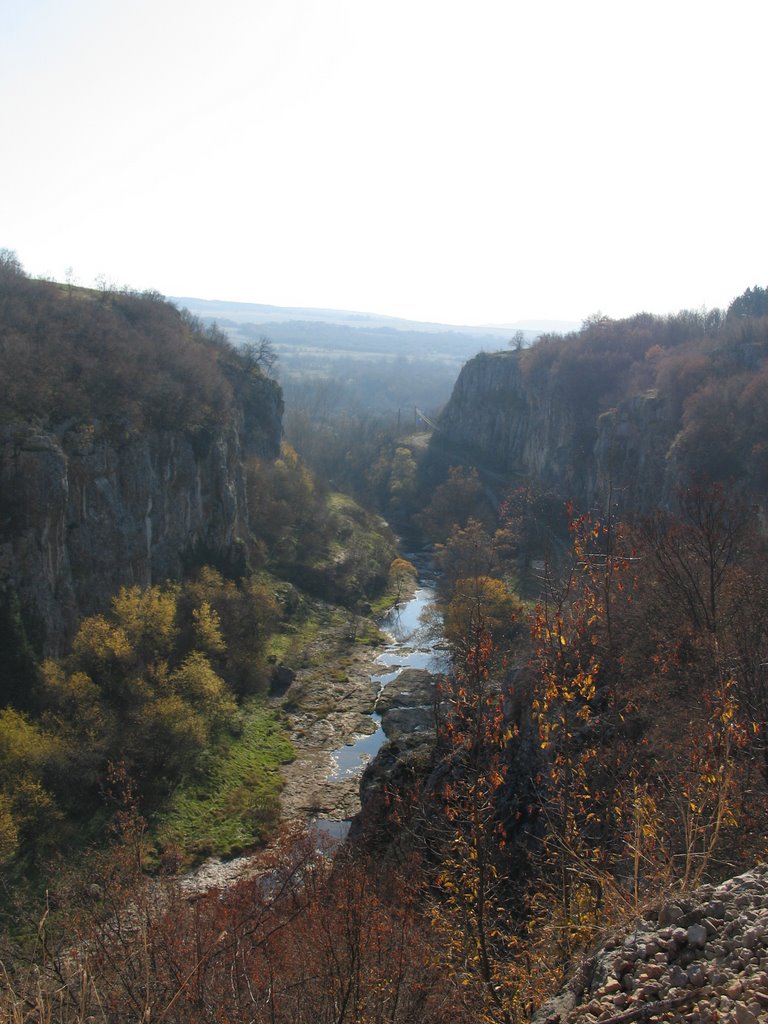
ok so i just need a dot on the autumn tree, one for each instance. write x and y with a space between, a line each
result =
693 551
453 503
469 911
582 706
130 693
483 600
287 509
535 524
231 624
469 551
402 578
307 939
30 759
703 576
640 713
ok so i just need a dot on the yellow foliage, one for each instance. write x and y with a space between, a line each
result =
402 567
197 683
98 639
208 628
24 747
9 833
175 726
73 692
148 618
480 600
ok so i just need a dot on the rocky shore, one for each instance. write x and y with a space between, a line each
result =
698 959
325 707
333 707
329 705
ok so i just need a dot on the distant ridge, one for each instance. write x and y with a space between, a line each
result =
255 312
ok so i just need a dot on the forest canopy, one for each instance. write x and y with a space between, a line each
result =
110 355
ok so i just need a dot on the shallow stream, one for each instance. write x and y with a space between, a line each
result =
415 641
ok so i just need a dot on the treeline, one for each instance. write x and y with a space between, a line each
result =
110 355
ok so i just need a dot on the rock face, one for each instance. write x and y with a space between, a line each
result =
84 511
407 706
512 430
700 959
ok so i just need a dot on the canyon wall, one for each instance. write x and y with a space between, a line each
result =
513 431
86 509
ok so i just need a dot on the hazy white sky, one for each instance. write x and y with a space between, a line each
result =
462 161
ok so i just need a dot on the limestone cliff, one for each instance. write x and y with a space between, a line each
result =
87 508
512 430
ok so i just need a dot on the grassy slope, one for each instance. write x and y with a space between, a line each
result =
234 801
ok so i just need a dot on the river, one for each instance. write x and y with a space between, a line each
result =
411 644
415 640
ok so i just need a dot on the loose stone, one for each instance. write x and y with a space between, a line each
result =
744 1015
696 976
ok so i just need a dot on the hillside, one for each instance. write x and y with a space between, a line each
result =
164 558
177 589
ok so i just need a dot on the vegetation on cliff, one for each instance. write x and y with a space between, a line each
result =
132 360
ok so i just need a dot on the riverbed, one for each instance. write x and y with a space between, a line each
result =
333 723
335 728
414 641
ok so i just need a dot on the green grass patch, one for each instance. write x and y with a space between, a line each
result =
233 802
292 643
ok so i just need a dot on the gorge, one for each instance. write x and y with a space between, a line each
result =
190 622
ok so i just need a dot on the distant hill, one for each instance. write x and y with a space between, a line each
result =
257 313
376 363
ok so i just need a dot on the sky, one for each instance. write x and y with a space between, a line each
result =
453 161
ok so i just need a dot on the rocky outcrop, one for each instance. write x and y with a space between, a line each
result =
408 710
86 509
513 430
407 706
701 958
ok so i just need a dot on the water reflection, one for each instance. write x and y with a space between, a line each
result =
414 643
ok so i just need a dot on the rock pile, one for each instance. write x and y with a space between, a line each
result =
699 960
